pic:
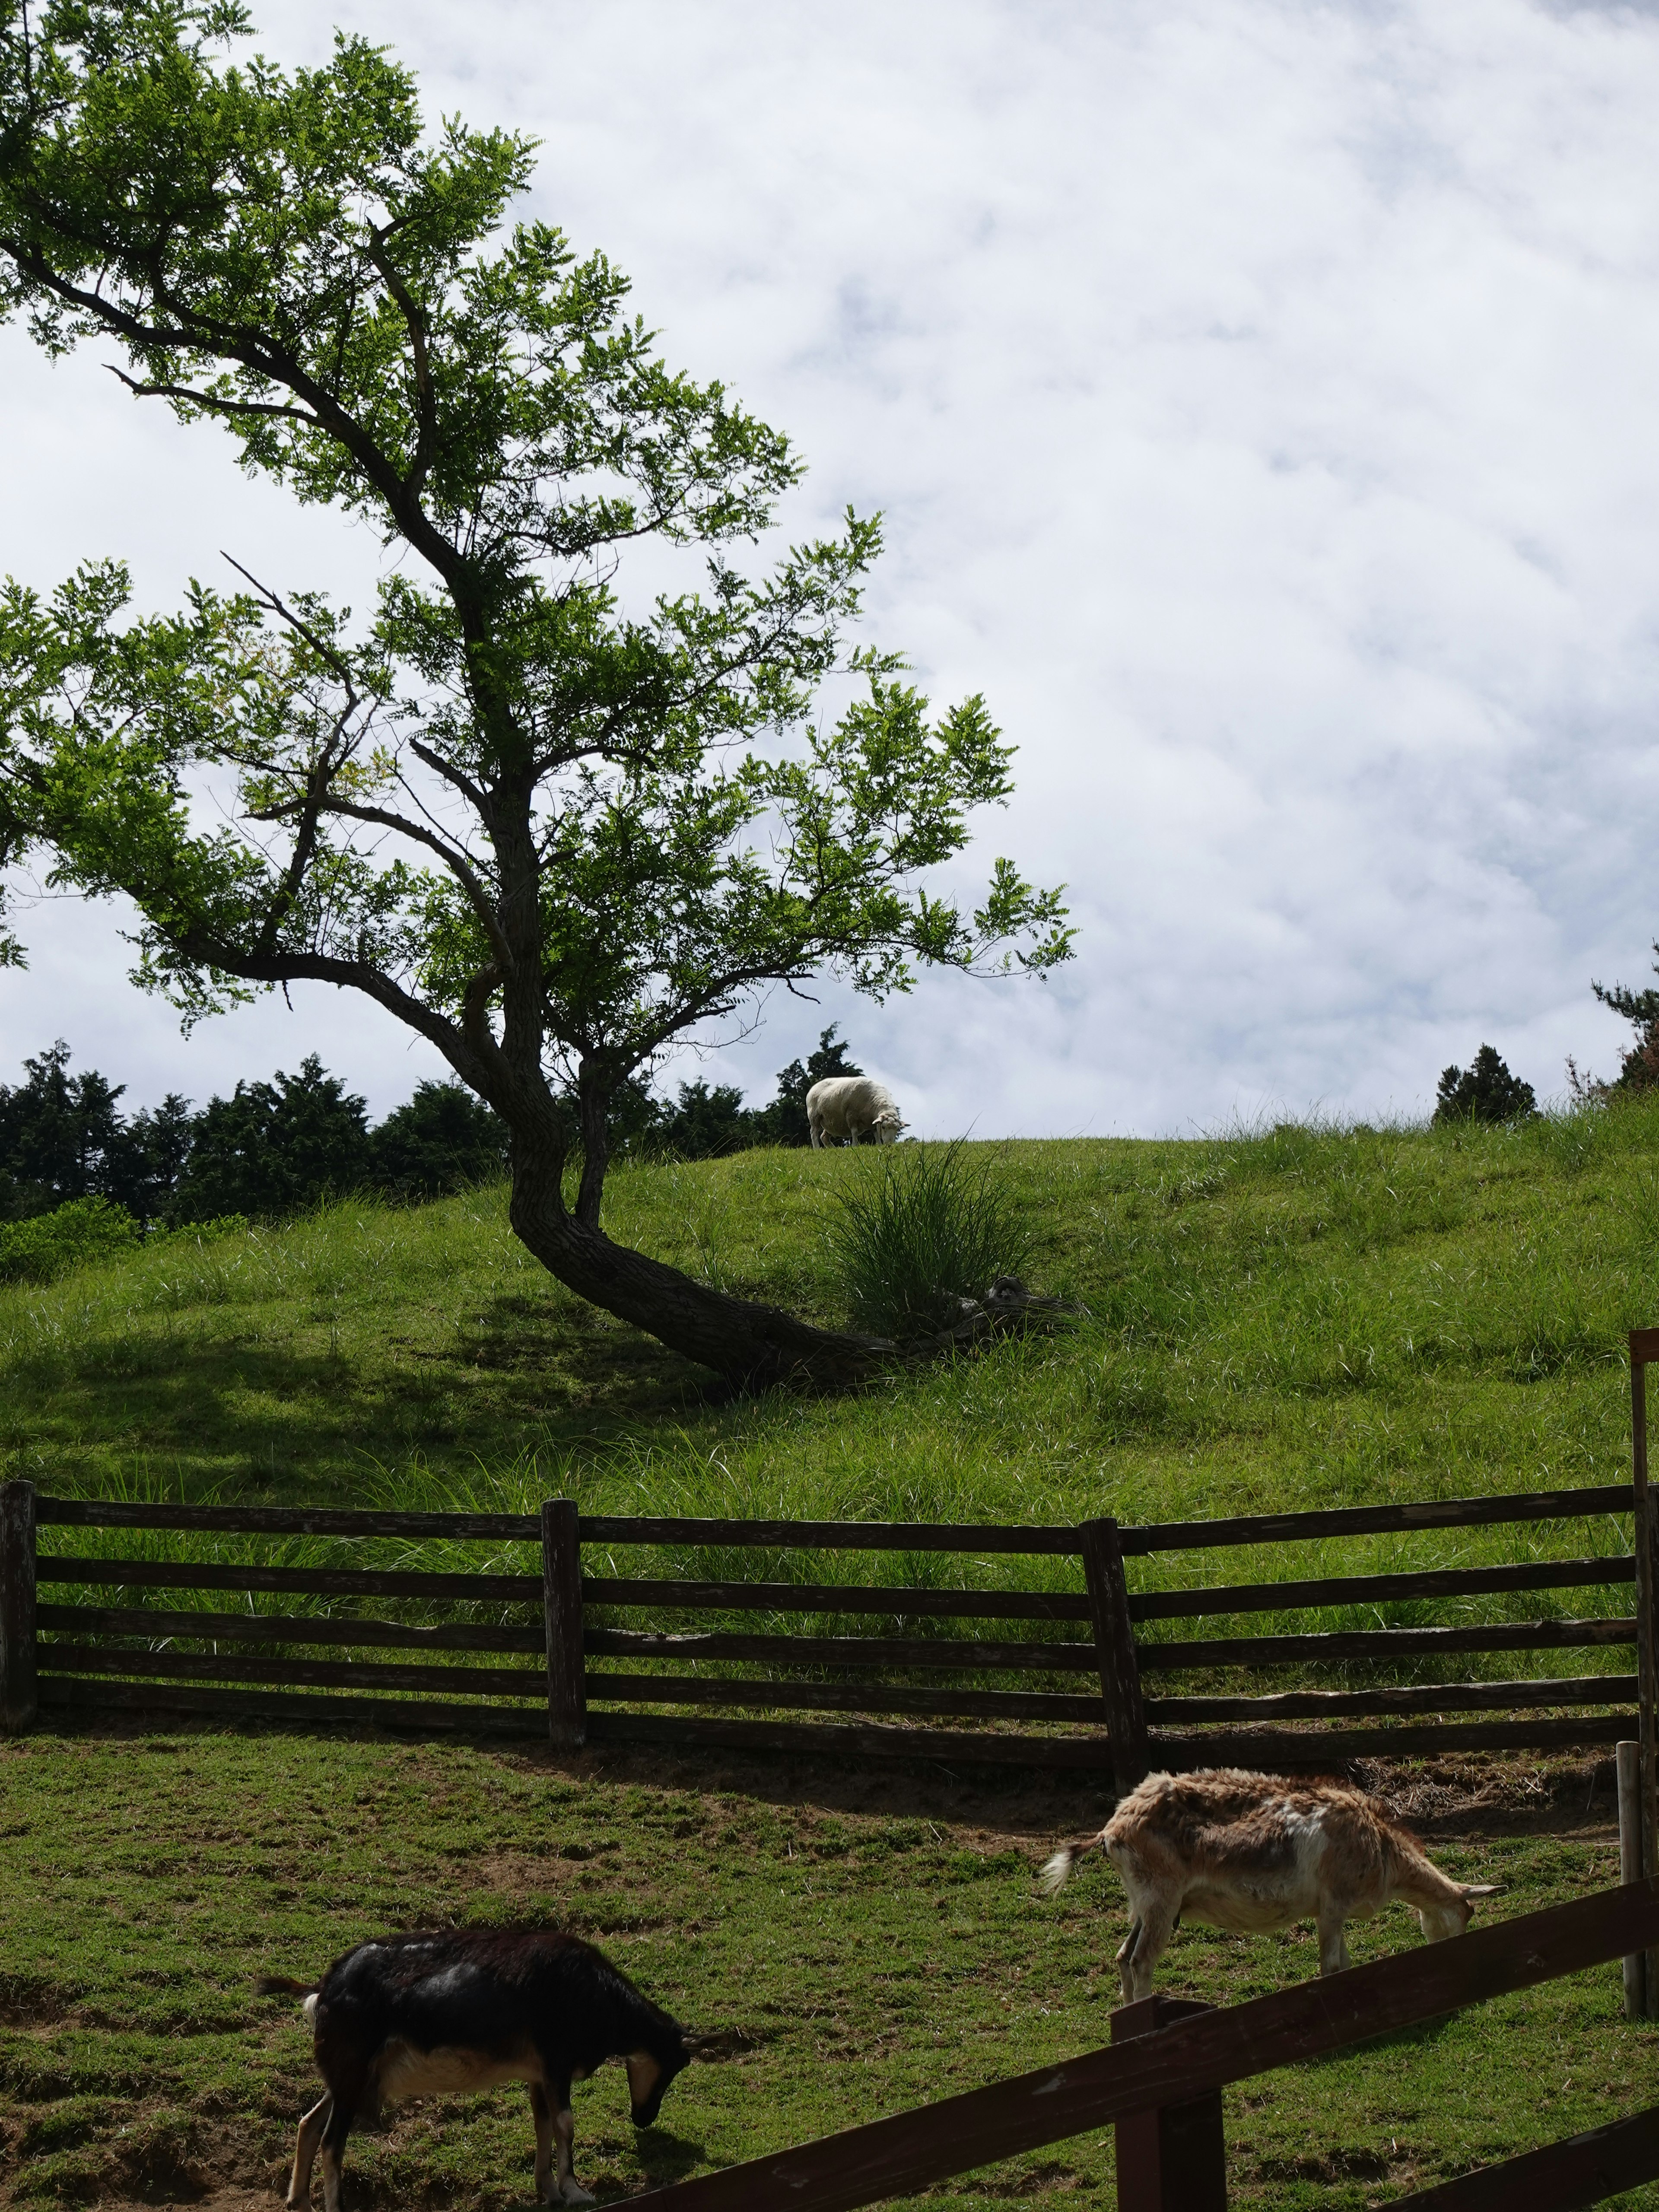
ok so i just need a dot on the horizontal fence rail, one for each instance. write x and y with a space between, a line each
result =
1380 1520
572 1645
1582 2169
1381 1590
281 1520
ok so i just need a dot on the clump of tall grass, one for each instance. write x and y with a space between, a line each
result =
920 1230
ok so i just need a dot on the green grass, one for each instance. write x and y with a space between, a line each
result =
859 1959
1295 1318
1302 1317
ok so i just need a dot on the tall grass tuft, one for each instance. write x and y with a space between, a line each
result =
923 1229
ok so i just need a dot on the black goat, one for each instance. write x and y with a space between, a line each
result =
418 2014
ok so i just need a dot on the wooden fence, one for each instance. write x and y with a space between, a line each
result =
1155 2074
608 1658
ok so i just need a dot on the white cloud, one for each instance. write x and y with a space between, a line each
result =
1260 399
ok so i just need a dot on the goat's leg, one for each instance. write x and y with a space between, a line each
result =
1147 1941
540 2112
1126 1957
305 2151
1332 1943
565 2189
341 2114
564 2134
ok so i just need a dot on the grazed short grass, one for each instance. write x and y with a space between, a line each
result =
864 1943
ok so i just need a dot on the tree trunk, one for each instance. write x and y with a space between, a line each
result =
752 1345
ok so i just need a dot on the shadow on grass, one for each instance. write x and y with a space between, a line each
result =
668 2157
290 1418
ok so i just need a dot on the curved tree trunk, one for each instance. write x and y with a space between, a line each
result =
752 1345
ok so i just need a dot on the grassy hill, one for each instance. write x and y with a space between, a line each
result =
1298 1317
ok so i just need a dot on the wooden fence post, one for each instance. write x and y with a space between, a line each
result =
562 1607
1174 2158
1643 1347
18 1702
1114 1648
1628 1759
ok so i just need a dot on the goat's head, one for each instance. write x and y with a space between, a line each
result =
650 2072
1454 1914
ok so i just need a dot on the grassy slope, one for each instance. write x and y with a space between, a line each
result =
1296 1318
1293 1318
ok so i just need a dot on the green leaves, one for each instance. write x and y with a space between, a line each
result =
104 729
539 817
297 256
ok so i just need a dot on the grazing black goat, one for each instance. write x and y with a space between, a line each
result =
417 2014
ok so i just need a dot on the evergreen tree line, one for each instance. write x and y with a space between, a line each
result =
1486 1090
271 1150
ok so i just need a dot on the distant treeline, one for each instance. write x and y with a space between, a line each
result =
271 1150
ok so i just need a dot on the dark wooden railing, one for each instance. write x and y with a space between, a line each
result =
1055 1676
1155 2072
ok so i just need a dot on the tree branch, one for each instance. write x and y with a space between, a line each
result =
273 362
324 651
276 968
415 319
475 1008
305 844
206 401
451 774
456 861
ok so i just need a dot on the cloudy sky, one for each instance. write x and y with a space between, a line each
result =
1262 401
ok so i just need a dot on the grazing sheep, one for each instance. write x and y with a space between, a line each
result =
850 1109
424 2014
1254 1851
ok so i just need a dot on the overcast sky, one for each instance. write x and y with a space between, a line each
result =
1262 399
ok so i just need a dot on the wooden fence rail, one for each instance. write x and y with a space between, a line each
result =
1177 2064
1579 2170
616 1656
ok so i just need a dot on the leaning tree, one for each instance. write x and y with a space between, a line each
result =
550 827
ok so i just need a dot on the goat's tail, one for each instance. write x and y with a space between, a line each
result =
1057 1871
282 1985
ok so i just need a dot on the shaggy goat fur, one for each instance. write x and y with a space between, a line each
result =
1254 1851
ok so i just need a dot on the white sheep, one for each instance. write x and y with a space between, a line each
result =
853 1109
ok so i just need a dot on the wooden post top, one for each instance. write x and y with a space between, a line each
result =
1147 2014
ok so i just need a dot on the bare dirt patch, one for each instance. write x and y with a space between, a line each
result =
1482 1794
27 2002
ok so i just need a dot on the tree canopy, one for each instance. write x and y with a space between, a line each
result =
551 822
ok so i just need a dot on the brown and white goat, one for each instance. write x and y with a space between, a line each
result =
424 2014
1253 1851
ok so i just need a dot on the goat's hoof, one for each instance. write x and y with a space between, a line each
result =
573 2193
